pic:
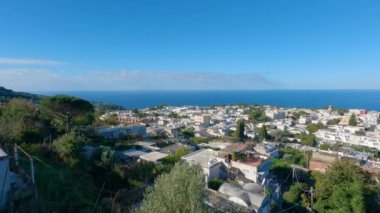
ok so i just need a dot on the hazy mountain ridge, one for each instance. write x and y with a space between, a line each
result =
8 94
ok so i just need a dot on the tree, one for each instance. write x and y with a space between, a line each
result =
344 188
293 194
324 146
176 156
188 133
258 115
214 184
66 108
314 127
352 121
335 121
298 114
183 189
360 133
198 140
308 139
107 158
68 147
239 134
20 121
263 134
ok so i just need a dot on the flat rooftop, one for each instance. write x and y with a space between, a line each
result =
203 157
153 156
252 161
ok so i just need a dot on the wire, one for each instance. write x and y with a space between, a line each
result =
287 209
286 179
66 176
295 174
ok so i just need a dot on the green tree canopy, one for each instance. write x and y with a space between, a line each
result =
314 127
293 194
188 133
308 139
68 147
258 115
66 108
176 156
353 121
263 133
20 121
344 188
240 126
181 190
298 114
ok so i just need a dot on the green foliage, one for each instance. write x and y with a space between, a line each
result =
314 127
65 109
293 194
180 190
235 156
258 115
294 156
324 146
60 188
7 95
263 133
353 121
107 158
214 184
308 139
239 134
139 113
188 133
146 172
344 188
281 169
360 133
176 156
21 121
198 140
335 121
68 147
298 114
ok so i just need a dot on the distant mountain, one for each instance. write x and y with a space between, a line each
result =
7 94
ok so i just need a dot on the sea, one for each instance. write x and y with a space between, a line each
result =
345 99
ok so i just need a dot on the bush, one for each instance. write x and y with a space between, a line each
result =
176 156
68 147
181 190
214 184
324 147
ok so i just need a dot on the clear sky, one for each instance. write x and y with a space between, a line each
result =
189 44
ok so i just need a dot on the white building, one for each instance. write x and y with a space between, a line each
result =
112 132
275 114
202 119
209 162
250 195
5 179
348 138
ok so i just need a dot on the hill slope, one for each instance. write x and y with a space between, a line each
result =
7 94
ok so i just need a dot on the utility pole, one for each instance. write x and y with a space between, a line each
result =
16 148
16 155
32 170
294 172
311 198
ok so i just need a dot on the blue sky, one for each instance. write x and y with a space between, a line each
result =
189 44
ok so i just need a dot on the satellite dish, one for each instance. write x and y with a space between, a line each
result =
263 182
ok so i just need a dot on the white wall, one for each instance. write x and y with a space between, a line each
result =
4 181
